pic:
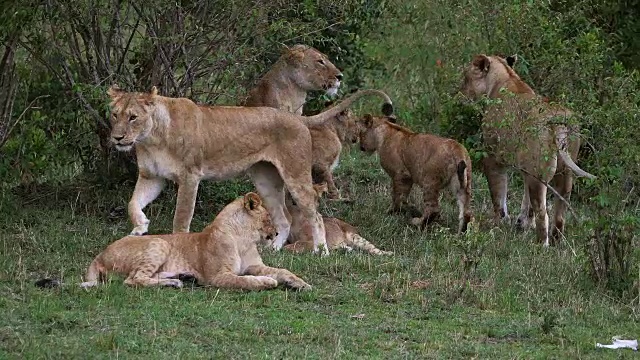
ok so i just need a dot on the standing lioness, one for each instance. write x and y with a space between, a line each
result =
223 255
432 162
182 141
521 130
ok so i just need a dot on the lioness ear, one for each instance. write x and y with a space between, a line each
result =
114 92
154 91
482 62
511 60
296 53
252 201
368 120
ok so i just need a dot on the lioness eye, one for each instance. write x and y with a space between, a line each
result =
132 118
321 62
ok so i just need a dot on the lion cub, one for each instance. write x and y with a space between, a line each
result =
327 140
340 235
223 255
432 162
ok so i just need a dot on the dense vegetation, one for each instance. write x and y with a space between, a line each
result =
491 292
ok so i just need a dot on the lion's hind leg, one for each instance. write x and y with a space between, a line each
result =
305 197
146 264
563 183
538 199
270 187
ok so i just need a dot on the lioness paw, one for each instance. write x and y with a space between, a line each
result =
139 230
296 284
88 284
172 283
267 282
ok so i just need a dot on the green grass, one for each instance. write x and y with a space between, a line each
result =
523 302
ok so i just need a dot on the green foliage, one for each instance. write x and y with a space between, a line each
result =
613 252
462 121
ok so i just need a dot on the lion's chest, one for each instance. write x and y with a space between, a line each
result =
160 163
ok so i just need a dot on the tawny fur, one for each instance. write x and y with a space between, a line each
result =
523 131
431 162
184 142
223 255
299 70
327 140
340 235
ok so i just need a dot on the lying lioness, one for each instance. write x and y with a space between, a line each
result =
432 162
340 235
182 141
223 255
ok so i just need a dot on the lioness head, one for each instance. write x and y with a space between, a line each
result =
131 116
312 70
260 220
368 136
484 73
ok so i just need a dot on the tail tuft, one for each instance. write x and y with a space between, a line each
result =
47 283
387 109
461 168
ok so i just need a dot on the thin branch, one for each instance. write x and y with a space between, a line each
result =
81 97
30 106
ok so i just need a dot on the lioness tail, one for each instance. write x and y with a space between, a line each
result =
561 141
357 241
387 108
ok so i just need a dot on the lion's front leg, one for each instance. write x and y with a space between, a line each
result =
187 193
283 276
146 190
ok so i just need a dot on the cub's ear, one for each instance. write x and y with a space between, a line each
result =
511 60
252 201
114 92
320 188
367 120
481 62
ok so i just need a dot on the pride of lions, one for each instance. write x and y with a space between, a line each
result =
291 157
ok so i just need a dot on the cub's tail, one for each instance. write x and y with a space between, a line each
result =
357 241
462 166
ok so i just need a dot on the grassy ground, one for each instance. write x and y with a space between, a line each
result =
522 302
